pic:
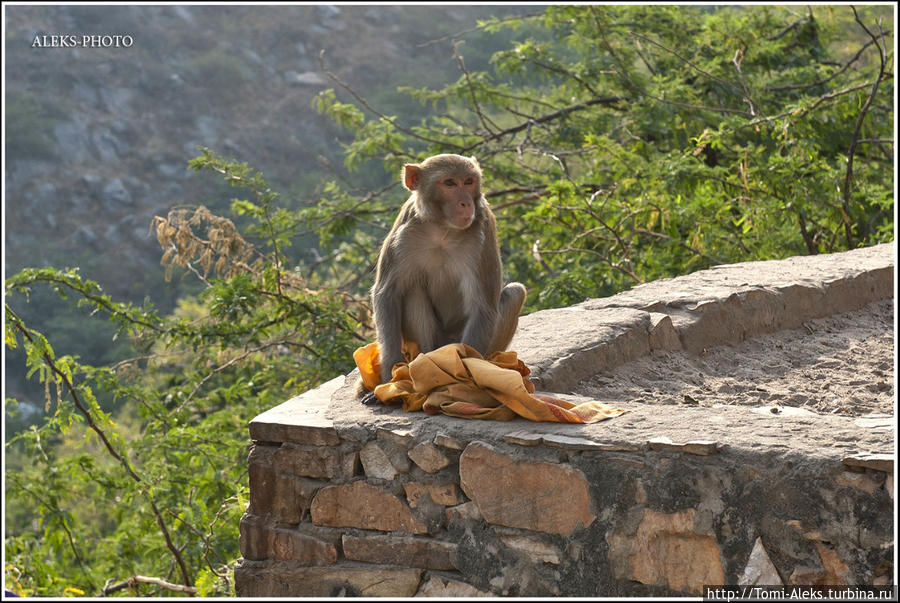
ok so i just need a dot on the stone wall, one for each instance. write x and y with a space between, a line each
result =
347 499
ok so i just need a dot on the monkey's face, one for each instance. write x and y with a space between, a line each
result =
458 195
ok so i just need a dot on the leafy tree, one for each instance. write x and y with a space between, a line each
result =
638 143
621 144
102 503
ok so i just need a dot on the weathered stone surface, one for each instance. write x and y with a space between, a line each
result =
663 335
407 551
396 444
293 545
261 470
429 458
565 345
438 586
836 571
538 550
254 579
523 438
698 447
570 443
881 421
449 442
467 511
759 570
666 550
259 540
360 505
442 494
376 463
833 570
861 481
536 496
311 461
292 497
254 537
878 462
300 420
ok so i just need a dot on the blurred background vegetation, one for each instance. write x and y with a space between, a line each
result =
260 148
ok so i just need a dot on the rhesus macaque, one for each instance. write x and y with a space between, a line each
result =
438 278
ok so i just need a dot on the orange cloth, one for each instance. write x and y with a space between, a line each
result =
457 381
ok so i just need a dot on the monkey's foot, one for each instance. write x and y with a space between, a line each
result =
369 399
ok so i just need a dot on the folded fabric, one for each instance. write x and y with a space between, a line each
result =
457 381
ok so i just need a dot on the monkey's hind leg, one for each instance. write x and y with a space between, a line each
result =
512 298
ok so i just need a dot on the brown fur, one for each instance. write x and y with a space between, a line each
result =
438 278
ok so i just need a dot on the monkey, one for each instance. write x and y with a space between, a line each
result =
438 278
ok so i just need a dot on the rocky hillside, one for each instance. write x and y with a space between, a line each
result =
98 139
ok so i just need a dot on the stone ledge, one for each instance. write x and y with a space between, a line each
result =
722 305
301 419
564 346
655 502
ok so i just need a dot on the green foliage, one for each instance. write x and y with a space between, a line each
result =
620 144
625 144
158 488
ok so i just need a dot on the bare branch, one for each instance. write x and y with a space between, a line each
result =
380 115
548 117
133 581
736 61
848 178
462 67
687 62
843 68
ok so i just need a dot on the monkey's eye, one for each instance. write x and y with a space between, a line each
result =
449 182
469 181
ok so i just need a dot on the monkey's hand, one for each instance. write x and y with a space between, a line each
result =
369 399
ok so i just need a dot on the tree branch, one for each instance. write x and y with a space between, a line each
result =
133 581
380 115
848 178
548 117
76 399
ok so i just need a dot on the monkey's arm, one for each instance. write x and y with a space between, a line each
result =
386 307
484 309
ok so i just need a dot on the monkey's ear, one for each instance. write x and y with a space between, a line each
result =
475 161
411 176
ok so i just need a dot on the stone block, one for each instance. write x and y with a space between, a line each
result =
439 586
449 442
282 579
878 462
289 544
665 550
861 481
262 479
467 511
326 462
563 346
523 438
759 569
538 496
663 335
407 551
360 505
293 496
300 420
376 463
536 549
254 537
446 494
429 458
698 447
